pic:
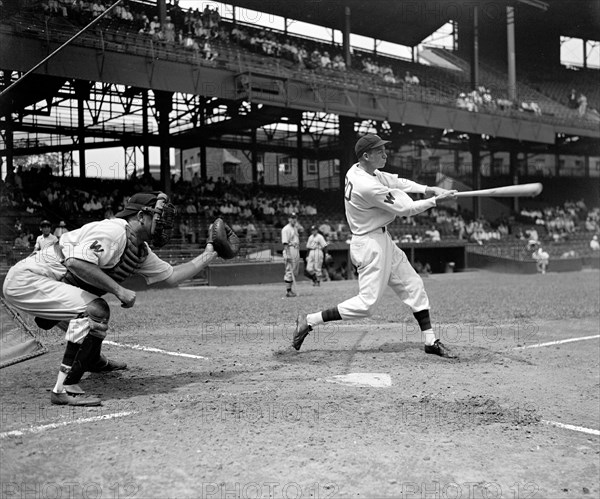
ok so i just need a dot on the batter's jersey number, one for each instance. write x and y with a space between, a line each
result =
348 190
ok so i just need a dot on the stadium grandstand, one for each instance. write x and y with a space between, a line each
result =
250 119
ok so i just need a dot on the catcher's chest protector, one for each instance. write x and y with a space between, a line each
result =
131 260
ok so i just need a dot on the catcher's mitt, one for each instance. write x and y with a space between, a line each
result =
223 239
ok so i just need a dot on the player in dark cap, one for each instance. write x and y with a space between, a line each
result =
63 284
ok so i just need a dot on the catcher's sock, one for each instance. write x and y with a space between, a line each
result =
62 375
68 358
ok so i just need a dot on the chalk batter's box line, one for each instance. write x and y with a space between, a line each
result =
558 342
51 426
155 350
581 429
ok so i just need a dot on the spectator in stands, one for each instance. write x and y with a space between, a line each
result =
594 244
186 233
61 229
18 226
582 105
46 238
208 51
338 63
169 31
251 231
22 241
411 79
433 234
532 107
326 230
573 99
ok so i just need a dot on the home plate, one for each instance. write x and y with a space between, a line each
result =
377 380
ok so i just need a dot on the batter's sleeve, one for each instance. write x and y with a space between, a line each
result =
395 182
397 202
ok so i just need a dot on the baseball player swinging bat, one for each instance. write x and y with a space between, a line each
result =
523 190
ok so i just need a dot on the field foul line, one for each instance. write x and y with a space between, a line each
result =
51 426
550 343
155 350
572 427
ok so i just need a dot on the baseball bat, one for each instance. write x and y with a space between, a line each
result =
295 287
509 191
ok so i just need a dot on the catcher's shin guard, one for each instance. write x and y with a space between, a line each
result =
98 313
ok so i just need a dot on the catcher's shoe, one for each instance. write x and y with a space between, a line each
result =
105 365
438 348
66 399
301 332
290 294
74 389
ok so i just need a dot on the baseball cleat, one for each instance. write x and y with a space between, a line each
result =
290 294
438 348
74 389
105 365
65 399
302 330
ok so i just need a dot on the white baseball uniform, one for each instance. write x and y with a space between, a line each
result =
291 255
371 203
34 284
314 261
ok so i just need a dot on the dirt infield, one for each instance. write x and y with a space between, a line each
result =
216 404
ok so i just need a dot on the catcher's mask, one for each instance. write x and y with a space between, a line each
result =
163 214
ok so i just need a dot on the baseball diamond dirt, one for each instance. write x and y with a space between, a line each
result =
216 403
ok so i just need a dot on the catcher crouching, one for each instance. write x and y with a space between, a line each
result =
63 284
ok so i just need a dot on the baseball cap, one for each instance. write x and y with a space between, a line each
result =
45 223
368 142
136 203
293 215
62 224
313 227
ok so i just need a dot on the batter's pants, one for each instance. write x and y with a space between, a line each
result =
381 263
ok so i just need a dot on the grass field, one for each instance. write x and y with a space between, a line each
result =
216 404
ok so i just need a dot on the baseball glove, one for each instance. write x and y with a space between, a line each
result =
223 239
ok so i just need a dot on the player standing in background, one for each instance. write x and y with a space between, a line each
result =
291 253
316 245
62 284
373 199
542 258
61 229
46 239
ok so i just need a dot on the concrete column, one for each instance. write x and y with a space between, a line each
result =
512 66
164 105
475 50
82 92
347 140
475 148
145 133
254 156
346 36
299 155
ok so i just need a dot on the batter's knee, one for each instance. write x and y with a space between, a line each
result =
98 313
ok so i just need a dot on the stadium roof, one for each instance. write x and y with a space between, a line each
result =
408 22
